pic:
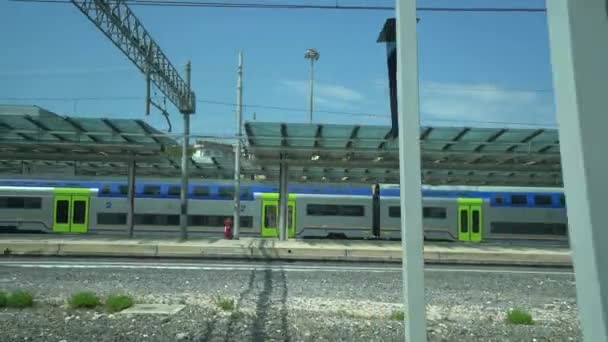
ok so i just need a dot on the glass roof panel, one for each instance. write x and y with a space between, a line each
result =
336 136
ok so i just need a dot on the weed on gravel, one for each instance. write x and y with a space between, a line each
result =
226 304
397 315
20 299
3 299
116 303
517 316
84 300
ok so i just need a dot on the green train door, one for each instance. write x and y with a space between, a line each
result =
71 210
470 220
270 215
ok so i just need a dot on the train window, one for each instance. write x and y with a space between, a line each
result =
226 192
152 190
80 212
216 221
62 208
20 202
464 221
475 221
519 199
175 190
247 221
335 210
529 228
562 200
351 210
427 212
172 220
201 191
542 200
290 216
32 203
112 218
434 212
156 219
14 202
499 200
106 189
270 216
123 189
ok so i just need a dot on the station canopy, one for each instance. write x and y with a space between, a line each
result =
37 141
450 155
30 132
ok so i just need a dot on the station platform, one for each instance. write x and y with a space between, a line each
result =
270 249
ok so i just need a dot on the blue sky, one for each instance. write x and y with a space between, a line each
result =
475 68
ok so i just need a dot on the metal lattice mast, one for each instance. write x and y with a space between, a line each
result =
116 20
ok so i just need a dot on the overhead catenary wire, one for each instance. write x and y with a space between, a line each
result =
280 108
252 5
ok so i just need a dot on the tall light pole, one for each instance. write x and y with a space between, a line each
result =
237 150
313 55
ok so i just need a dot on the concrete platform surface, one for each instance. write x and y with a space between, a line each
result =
270 249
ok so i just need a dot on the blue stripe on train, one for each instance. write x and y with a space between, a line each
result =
222 191
497 199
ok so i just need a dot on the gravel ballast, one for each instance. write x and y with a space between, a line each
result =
287 305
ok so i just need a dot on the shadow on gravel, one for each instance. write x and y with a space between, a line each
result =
262 322
264 303
258 332
284 324
211 325
242 296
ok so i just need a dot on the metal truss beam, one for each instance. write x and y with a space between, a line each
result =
116 20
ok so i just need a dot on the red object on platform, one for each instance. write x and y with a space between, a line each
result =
228 228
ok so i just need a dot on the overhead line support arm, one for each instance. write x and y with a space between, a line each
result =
116 20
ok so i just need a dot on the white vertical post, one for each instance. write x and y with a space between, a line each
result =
312 76
579 56
131 196
409 171
283 195
237 149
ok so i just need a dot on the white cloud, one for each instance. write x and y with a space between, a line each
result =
329 95
484 102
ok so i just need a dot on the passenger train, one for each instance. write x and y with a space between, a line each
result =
99 206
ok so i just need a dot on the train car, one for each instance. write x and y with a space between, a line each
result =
98 206
45 209
484 213
157 209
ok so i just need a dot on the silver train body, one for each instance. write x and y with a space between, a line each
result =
449 213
